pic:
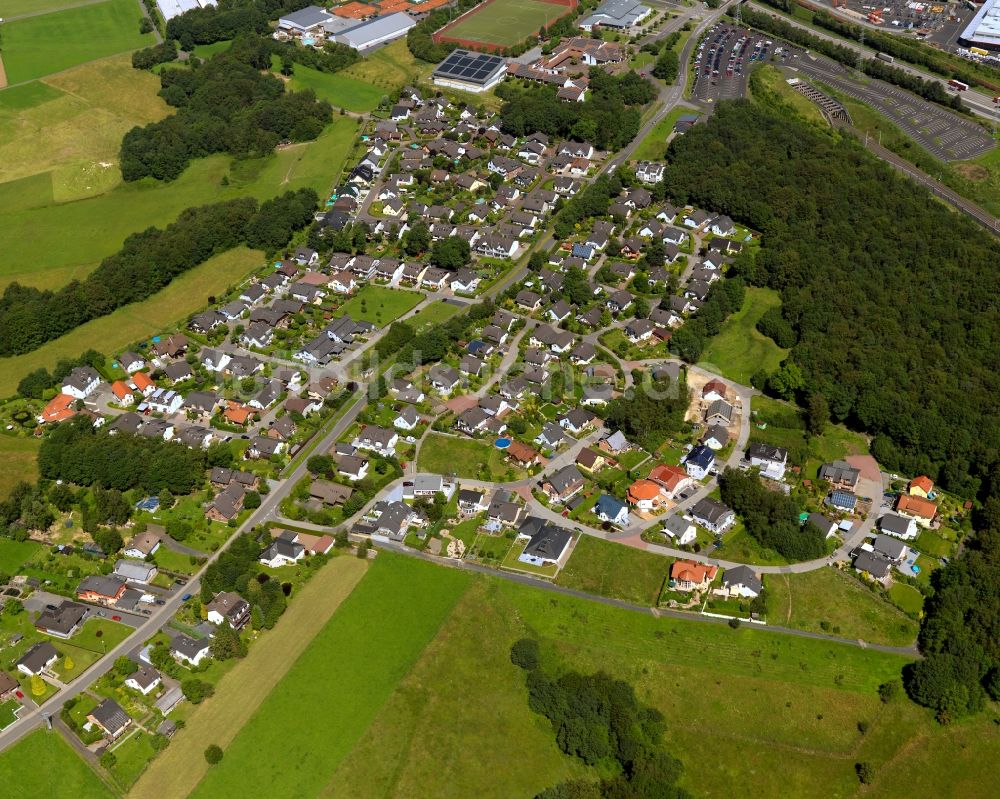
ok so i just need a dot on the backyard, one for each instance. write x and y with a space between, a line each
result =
44 764
17 455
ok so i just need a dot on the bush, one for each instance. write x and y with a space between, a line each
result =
213 754
524 654
865 772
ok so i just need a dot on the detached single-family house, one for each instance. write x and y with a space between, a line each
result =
712 515
62 621
898 526
686 575
742 581
37 659
81 382
826 526
284 550
673 480
699 462
613 510
840 474
547 543
921 486
679 529
189 650
110 718
142 545
144 680
377 439
564 484
770 460
921 510
645 495
230 608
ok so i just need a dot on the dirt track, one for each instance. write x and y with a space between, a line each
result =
3 75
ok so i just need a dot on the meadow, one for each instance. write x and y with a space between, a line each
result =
615 570
740 349
71 126
43 764
240 692
336 687
14 554
433 314
134 322
17 8
41 45
654 145
507 22
379 305
827 600
463 457
390 67
17 456
340 90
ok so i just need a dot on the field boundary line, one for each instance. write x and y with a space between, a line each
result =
179 770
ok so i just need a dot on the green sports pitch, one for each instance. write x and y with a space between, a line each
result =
506 22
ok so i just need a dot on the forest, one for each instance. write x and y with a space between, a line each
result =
928 89
889 295
226 104
147 262
76 452
609 118
599 720
651 415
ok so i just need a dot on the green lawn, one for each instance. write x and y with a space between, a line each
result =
132 757
507 22
738 545
827 600
206 51
17 455
739 349
341 91
930 543
37 46
615 570
364 651
771 80
7 710
433 314
464 457
654 145
43 764
67 243
14 554
16 8
379 305
389 67
182 297
908 598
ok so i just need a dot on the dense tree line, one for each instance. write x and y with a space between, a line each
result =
237 569
226 104
649 414
609 118
938 61
227 20
149 57
34 384
76 452
599 720
146 263
770 517
928 89
960 634
888 292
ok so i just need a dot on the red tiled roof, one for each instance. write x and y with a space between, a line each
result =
916 506
59 409
668 476
691 572
923 482
142 381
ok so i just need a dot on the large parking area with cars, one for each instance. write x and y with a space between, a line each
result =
724 60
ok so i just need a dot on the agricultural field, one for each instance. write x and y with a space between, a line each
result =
615 570
17 455
71 125
507 22
42 45
379 305
185 295
827 600
340 90
464 457
740 349
66 244
389 68
43 764
177 771
370 644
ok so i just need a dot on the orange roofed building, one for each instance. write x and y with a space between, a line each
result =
143 383
645 495
921 510
59 409
921 486
686 575
238 414
122 392
673 479
354 10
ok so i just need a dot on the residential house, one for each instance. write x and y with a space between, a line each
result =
899 526
842 500
228 607
62 621
471 502
613 510
522 454
564 484
144 680
673 480
407 419
37 659
921 486
921 510
444 379
679 529
135 571
189 651
891 548
719 412
716 437
688 576
840 475
227 503
142 545
645 495
551 436
101 589
110 718
714 390
742 581
547 543
377 439
577 420
712 515
283 551
826 526
81 382
874 565
699 462
769 459
352 467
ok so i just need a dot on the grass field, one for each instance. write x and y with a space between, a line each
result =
740 350
17 8
907 598
14 554
341 91
771 80
324 704
654 146
137 321
507 22
379 305
615 570
67 244
807 601
43 764
177 771
433 314
71 125
463 457
17 455
390 67
42 45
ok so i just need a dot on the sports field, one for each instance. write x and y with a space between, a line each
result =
506 22
41 45
65 242
185 295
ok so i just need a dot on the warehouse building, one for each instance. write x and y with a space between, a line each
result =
470 72
306 20
984 28
376 31
618 14
174 8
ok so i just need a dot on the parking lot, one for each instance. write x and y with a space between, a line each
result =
725 59
942 133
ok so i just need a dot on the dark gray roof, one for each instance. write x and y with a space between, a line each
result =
891 547
63 619
878 566
548 543
189 647
38 657
564 478
110 716
894 524
742 575
709 510
470 67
